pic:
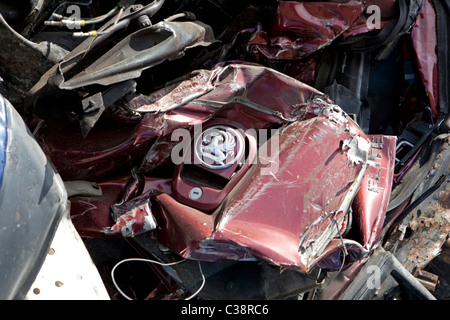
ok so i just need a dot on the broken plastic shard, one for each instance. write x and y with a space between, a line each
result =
174 95
137 220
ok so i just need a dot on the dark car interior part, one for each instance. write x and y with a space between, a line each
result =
106 60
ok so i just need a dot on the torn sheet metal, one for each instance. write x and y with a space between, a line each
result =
284 235
288 205
357 149
92 215
290 225
299 28
229 83
174 95
236 95
370 204
133 218
118 144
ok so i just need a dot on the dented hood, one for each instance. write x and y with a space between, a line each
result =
287 203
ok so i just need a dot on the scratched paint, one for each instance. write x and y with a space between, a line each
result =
321 160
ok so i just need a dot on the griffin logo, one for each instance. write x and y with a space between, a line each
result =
219 147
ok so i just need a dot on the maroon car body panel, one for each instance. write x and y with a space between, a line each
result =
286 206
423 37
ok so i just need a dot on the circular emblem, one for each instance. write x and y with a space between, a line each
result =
219 147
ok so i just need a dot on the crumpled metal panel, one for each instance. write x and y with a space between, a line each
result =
288 214
299 28
92 215
111 147
366 21
371 202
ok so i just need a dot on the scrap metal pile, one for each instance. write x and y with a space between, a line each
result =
220 149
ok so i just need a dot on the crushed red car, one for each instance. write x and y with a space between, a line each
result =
216 149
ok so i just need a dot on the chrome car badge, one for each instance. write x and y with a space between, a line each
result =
219 147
